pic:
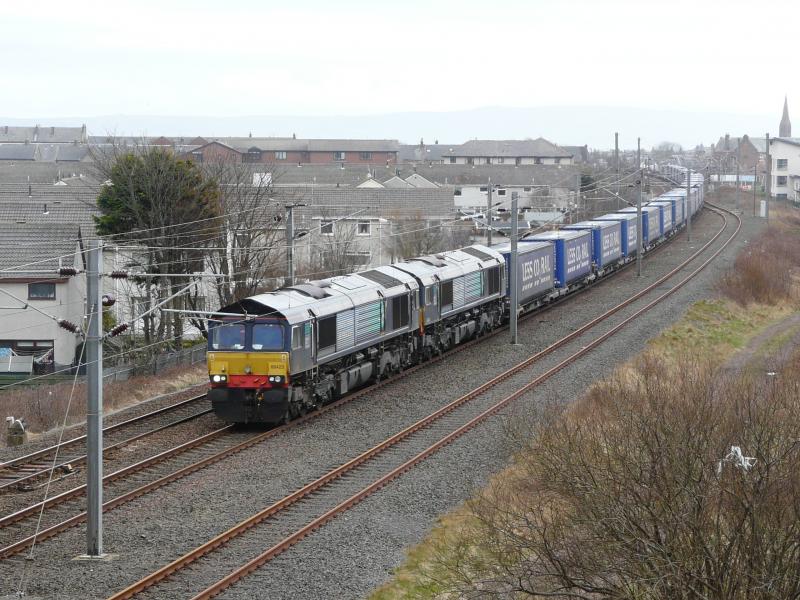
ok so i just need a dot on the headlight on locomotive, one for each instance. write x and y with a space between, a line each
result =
219 378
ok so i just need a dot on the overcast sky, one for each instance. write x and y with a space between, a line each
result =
354 57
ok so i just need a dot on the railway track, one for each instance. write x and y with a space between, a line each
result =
25 471
18 531
216 565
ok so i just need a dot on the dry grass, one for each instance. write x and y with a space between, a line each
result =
43 406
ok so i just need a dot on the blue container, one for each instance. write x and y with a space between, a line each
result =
535 268
665 208
606 240
628 223
651 222
572 252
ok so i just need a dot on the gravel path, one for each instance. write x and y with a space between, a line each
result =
350 556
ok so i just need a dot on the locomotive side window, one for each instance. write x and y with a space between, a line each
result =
400 311
327 332
447 293
227 337
430 294
267 336
298 337
307 335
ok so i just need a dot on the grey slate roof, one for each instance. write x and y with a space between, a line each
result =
49 212
40 243
353 175
41 134
760 144
385 203
426 152
270 144
455 175
508 148
17 152
40 172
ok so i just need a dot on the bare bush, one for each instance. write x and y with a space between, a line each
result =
628 495
763 272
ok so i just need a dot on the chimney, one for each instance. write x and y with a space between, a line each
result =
294 136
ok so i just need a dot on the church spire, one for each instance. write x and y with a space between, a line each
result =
785 129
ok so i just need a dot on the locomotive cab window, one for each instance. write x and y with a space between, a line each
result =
267 336
227 337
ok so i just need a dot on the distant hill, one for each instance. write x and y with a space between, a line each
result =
569 125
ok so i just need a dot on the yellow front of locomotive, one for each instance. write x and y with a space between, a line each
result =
248 367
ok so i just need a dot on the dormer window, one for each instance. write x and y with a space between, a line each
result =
253 155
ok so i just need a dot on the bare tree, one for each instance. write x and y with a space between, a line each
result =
418 236
335 249
249 244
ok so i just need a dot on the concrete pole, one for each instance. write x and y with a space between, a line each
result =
489 212
639 227
755 181
616 157
578 195
738 200
94 410
513 271
769 177
688 199
290 244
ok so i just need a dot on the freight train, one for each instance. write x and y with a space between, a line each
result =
278 355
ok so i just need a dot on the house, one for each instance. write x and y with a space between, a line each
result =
785 168
289 151
507 152
34 295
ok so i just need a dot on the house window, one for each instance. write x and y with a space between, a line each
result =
363 228
526 189
782 179
280 155
452 160
364 156
518 161
470 161
197 157
484 189
500 160
326 228
252 156
41 291
338 155
359 257
537 161
457 192
501 192
557 161
783 164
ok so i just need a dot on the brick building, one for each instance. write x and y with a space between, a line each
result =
298 151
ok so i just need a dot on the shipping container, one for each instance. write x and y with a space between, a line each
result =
606 240
572 253
535 268
629 230
651 222
665 208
